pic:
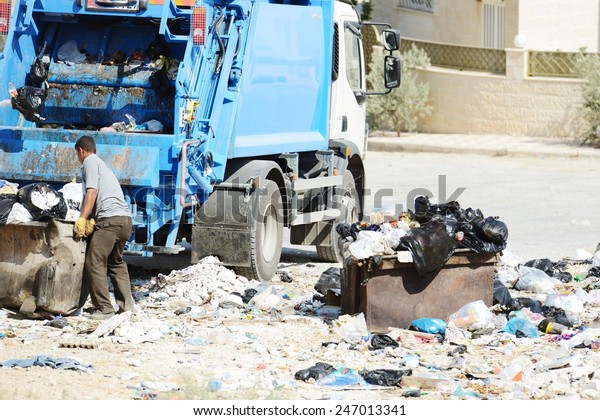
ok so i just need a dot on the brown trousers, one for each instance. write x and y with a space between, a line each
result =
104 257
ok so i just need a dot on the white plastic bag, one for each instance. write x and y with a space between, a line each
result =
267 299
69 51
585 337
472 316
535 280
392 235
72 192
18 214
596 259
570 303
367 244
351 328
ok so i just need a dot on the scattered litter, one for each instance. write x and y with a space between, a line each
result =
47 361
315 372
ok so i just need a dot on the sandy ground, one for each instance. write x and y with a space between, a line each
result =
241 355
254 358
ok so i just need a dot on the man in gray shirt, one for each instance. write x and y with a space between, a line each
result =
103 202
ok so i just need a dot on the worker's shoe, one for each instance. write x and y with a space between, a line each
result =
97 315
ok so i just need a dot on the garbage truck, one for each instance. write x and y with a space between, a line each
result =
226 121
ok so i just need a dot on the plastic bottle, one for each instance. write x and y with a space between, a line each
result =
214 385
341 377
196 341
12 90
512 372
548 327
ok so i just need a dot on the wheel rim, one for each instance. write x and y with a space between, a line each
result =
352 215
269 229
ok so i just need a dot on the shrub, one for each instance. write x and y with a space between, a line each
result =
401 109
588 69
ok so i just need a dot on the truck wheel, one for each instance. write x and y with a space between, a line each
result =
349 201
267 233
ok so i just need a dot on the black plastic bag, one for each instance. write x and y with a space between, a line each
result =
558 315
481 234
160 83
381 341
475 243
594 272
42 201
566 277
431 245
385 377
519 303
38 73
501 294
248 295
316 372
29 102
330 279
346 230
6 203
493 230
543 264
156 49
425 211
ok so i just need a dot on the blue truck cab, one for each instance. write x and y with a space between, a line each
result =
225 121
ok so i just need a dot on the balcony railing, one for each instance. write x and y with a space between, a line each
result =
552 64
461 57
490 60
421 5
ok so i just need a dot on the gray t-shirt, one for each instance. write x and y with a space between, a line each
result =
110 200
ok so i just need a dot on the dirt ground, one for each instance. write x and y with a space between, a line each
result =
233 354
253 359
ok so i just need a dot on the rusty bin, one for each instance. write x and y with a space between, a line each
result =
393 295
40 266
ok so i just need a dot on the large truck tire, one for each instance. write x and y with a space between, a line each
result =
266 233
349 201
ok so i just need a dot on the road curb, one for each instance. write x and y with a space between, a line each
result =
539 151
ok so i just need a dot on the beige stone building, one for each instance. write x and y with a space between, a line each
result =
548 25
519 101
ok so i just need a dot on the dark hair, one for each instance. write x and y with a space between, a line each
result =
86 143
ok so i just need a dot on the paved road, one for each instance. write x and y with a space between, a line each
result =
549 204
548 199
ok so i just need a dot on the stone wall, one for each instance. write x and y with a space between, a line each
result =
478 103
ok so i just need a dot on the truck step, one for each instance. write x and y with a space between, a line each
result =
307 184
315 216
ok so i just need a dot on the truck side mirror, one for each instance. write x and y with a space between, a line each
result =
391 39
392 71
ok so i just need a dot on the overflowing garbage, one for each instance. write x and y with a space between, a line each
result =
156 59
39 201
431 234
206 332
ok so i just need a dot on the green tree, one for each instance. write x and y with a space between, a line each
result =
401 109
588 69
365 8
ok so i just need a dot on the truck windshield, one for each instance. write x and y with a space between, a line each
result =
352 52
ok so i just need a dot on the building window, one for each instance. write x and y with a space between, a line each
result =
421 5
493 26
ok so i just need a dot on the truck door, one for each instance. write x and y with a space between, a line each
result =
348 101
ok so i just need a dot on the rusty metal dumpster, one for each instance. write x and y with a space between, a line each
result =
40 267
393 295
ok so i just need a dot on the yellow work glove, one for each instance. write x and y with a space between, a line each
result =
79 228
89 227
